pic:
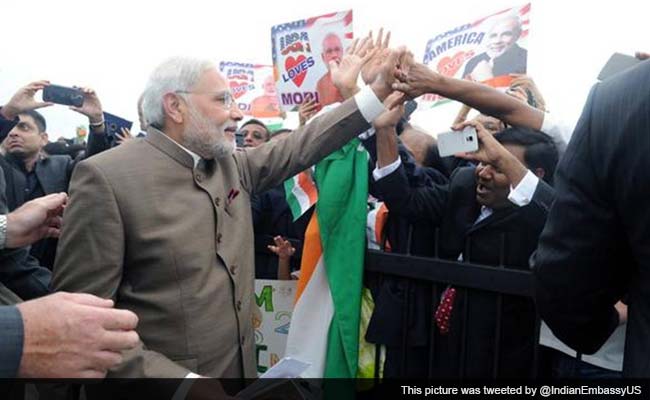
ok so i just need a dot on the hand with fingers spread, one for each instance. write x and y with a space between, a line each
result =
380 45
34 220
492 152
284 250
346 73
74 335
308 109
382 86
23 100
123 136
91 108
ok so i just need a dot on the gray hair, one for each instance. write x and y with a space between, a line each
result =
174 74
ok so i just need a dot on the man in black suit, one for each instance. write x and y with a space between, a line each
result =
476 217
595 248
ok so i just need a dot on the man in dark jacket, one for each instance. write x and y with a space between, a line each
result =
500 202
29 173
595 248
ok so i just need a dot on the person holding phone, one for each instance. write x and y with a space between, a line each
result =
29 173
506 196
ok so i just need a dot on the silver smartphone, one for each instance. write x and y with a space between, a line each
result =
450 143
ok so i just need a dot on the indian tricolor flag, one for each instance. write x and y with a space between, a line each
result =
301 193
325 323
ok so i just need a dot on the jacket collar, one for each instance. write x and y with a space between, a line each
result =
165 144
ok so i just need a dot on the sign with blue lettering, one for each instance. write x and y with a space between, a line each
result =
302 51
486 50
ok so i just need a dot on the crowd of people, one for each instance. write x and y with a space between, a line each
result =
134 258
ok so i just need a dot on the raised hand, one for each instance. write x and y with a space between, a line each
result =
283 248
92 107
124 136
415 81
23 100
346 73
371 68
307 109
526 82
491 152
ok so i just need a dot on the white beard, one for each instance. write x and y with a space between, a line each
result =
206 138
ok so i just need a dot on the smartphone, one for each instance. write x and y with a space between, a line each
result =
465 141
114 125
63 95
617 63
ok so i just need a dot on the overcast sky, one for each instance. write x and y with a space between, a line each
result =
113 45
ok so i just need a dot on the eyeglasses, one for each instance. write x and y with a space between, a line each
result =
225 99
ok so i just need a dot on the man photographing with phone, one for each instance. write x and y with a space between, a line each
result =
31 174
490 214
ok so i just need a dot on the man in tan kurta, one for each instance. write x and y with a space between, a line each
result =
163 224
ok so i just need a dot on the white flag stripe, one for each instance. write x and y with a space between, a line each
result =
301 196
308 334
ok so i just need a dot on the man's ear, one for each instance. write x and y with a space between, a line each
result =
44 138
540 173
173 107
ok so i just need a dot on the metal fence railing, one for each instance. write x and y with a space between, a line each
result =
498 285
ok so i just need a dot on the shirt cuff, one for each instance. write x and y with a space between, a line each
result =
522 195
369 104
185 386
379 173
11 350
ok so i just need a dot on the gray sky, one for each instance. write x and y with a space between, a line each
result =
113 45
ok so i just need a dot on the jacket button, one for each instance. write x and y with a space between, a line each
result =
199 177
217 201
233 268
218 238
238 305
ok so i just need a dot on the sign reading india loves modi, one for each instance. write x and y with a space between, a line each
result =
301 53
486 50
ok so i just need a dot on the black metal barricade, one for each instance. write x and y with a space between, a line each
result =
435 274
